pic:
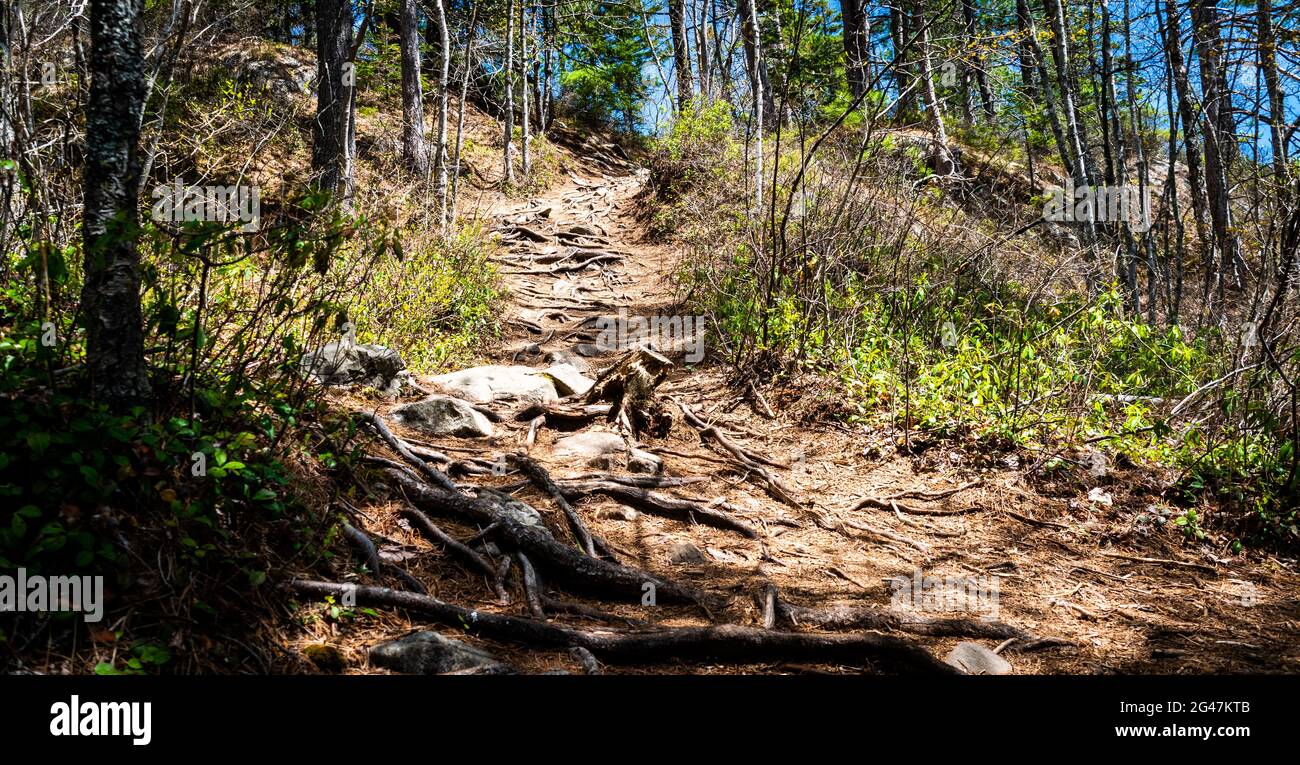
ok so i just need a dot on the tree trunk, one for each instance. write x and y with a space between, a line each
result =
1276 103
110 298
444 73
525 108
701 13
1075 131
748 11
681 53
941 158
509 121
460 109
332 137
857 45
1191 132
971 21
1024 50
414 151
900 33
1220 135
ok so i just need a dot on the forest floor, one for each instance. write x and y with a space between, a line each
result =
1077 561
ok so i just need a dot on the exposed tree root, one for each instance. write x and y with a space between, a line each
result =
564 416
518 527
538 475
363 542
745 460
403 449
657 504
431 532
725 642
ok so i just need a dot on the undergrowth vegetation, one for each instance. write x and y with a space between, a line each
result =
198 503
930 317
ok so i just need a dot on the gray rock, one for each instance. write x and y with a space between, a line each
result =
618 514
975 659
347 362
494 382
443 416
515 510
428 653
568 357
641 461
684 553
568 380
591 443
276 72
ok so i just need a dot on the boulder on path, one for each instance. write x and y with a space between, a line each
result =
975 659
429 653
495 382
443 416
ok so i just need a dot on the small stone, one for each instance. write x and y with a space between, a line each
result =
684 553
1099 495
975 659
557 358
568 379
345 362
495 382
618 514
329 658
641 461
429 653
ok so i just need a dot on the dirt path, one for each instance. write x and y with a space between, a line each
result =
956 531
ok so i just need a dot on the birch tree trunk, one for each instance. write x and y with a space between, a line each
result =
110 297
525 108
444 72
509 121
941 157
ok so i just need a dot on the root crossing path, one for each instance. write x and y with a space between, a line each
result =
655 514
